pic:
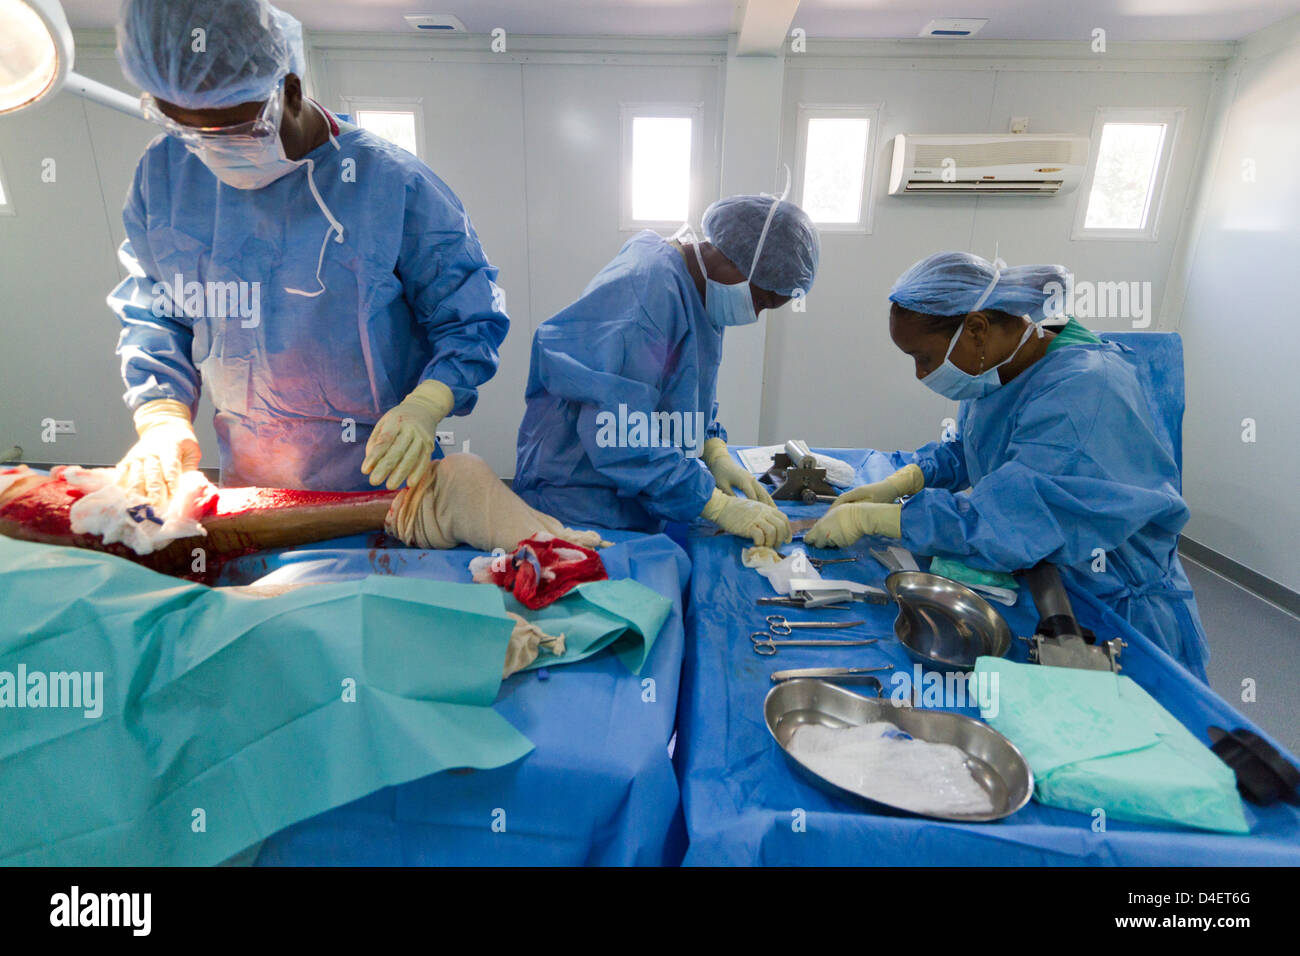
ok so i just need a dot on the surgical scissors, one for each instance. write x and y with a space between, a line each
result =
779 626
765 645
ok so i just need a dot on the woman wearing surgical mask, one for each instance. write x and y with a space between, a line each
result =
1057 457
641 347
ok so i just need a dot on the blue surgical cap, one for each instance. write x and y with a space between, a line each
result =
245 49
955 283
788 259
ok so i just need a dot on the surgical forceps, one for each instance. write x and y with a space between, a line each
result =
779 626
765 645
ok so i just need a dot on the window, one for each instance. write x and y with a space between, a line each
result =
660 152
396 126
835 149
1131 153
397 121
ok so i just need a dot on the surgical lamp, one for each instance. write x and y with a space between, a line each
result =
36 55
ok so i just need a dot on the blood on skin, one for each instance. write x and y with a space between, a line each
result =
43 512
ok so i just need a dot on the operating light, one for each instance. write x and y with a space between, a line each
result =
35 51
36 55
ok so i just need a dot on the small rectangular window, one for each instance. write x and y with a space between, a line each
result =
1131 153
396 126
397 120
835 153
660 153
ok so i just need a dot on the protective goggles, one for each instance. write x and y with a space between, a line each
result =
266 124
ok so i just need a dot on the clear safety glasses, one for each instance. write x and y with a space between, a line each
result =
266 124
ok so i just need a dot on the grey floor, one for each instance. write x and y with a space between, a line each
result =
1249 637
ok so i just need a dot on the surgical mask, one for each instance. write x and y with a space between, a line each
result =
951 382
246 162
732 304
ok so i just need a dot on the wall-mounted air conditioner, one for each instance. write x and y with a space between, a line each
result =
1007 164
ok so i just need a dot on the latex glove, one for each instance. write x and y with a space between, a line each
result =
167 448
906 481
840 527
402 441
762 524
729 474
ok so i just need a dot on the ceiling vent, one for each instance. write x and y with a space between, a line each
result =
948 28
435 23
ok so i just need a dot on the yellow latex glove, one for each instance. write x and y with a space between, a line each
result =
729 474
762 524
167 448
840 527
402 441
908 480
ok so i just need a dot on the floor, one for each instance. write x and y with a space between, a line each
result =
1251 638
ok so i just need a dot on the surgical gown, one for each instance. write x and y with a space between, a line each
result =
1065 464
298 383
640 339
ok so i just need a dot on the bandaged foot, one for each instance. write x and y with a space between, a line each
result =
461 501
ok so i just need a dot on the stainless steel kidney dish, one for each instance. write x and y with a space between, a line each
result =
944 624
993 761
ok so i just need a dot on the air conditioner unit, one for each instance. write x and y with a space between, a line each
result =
1007 164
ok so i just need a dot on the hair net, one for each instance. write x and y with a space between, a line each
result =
246 47
957 283
790 250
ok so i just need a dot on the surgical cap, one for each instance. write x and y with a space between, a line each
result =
955 283
245 49
788 258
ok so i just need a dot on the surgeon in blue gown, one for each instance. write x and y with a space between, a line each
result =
327 287
643 344
1056 457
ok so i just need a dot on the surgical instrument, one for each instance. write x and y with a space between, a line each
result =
780 626
765 645
837 674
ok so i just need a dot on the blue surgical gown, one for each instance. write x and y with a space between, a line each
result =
639 338
1065 464
298 387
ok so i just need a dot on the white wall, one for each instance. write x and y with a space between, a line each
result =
832 374
1239 322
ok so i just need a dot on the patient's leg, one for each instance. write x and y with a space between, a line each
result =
461 501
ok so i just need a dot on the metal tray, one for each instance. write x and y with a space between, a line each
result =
994 761
944 624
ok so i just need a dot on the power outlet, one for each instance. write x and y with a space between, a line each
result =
446 438
68 427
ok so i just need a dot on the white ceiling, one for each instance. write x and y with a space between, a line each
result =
1123 20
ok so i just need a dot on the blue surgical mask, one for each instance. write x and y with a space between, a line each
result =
726 304
951 382
729 304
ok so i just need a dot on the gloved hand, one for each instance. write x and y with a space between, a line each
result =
762 524
908 480
167 447
402 441
729 474
840 527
